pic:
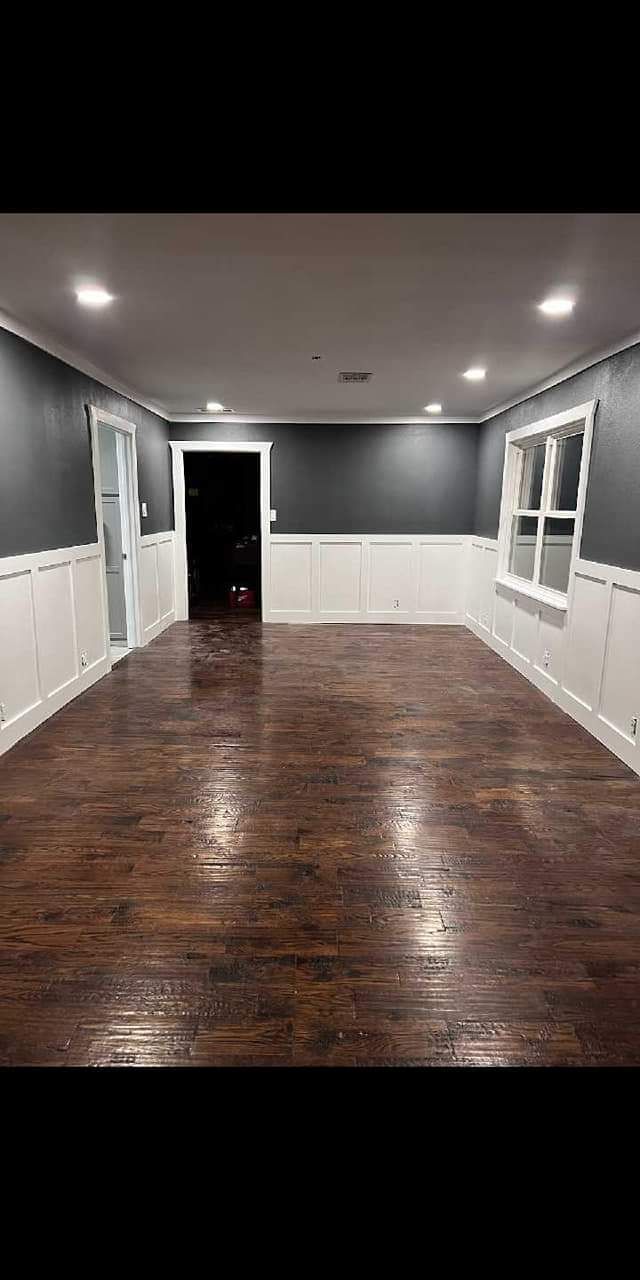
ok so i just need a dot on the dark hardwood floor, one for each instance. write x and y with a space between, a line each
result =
317 845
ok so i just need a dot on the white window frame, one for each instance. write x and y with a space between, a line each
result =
578 420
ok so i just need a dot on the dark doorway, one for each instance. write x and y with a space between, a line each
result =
222 500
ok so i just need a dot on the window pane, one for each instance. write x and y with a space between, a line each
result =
557 543
523 546
565 489
532 473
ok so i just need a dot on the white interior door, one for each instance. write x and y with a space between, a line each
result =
113 531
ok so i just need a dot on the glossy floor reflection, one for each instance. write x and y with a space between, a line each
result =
317 845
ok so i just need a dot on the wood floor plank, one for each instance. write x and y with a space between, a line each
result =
279 846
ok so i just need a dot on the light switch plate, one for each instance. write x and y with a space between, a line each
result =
143 508
273 514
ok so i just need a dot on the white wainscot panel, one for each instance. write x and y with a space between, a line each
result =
550 643
55 626
19 690
586 639
440 577
587 659
89 609
620 700
503 615
165 577
474 594
390 577
525 626
487 573
340 577
149 593
291 565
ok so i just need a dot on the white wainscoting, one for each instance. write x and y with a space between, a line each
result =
367 578
52 634
157 583
587 660
53 628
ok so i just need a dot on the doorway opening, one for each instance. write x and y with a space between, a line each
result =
223 534
118 543
115 477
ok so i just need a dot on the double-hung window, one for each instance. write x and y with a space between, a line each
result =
543 495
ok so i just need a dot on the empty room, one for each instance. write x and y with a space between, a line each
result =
319 640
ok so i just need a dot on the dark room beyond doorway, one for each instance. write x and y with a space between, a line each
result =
222 501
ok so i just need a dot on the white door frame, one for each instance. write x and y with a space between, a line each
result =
130 508
178 450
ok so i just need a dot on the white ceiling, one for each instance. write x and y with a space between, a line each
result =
231 307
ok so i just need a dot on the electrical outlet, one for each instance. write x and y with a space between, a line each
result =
546 658
84 661
3 712
634 726
396 604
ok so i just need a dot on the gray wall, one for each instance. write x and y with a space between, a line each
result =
46 480
611 531
431 478
364 478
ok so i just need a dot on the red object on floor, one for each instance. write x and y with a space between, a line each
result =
242 598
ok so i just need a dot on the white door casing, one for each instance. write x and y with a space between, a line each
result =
178 450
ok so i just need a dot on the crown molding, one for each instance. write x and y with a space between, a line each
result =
78 362
569 371
316 420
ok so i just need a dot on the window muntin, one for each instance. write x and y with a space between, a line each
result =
543 518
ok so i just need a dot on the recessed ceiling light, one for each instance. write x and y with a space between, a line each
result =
557 306
93 297
475 374
214 406
433 408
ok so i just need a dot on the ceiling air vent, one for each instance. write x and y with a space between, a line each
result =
355 377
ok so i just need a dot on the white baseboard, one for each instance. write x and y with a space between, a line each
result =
52 627
587 660
52 638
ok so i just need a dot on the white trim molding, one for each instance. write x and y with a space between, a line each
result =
585 659
364 578
178 450
550 430
131 513
157 583
562 375
77 361
316 420
54 637
53 641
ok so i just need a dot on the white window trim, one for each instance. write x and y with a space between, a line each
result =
555 427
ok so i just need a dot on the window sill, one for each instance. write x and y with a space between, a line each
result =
553 599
